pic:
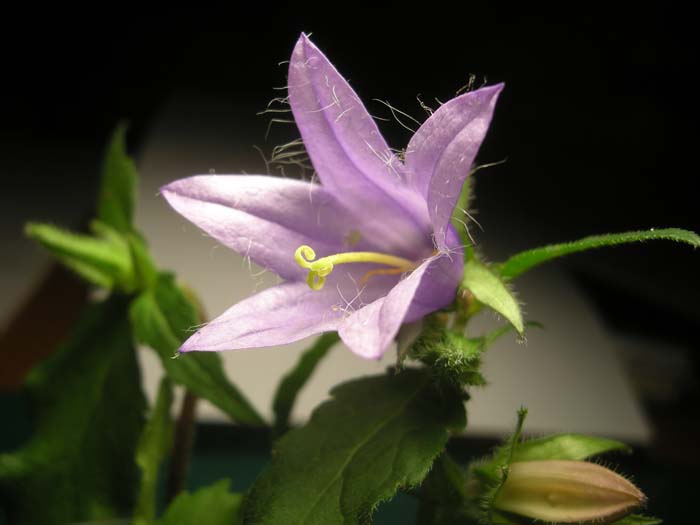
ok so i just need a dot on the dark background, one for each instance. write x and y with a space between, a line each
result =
598 123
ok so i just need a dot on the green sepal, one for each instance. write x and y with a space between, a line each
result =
574 447
117 195
529 259
453 357
103 260
89 411
212 505
162 318
493 473
154 446
375 435
459 216
488 288
637 519
292 383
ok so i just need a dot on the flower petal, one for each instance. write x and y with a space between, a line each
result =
441 153
352 160
264 218
279 315
369 331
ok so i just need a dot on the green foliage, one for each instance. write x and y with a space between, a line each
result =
154 446
443 495
161 318
488 288
292 383
115 205
375 435
524 261
212 505
79 465
102 260
573 447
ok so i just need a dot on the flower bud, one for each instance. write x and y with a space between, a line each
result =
567 492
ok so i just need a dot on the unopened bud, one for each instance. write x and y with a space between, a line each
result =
567 492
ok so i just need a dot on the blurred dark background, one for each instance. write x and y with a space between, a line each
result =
598 123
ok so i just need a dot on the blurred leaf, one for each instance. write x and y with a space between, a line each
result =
212 505
79 465
573 447
295 379
443 495
375 435
161 318
145 270
115 205
154 446
524 261
488 288
104 261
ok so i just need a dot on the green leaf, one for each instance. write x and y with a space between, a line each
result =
103 261
162 317
115 205
489 289
573 447
154 446
212 505
375 435
79 464
524 261
295 379
637 519
145 270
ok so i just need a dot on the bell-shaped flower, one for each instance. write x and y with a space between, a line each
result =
367 249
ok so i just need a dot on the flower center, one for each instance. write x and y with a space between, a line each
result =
319 269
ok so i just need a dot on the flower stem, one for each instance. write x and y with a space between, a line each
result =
182 446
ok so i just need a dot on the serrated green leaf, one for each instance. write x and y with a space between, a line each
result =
79 464
212 505
115 205
637 519
375 435
573 447
490 290
162 318
154 446
524 261
103 261
292 383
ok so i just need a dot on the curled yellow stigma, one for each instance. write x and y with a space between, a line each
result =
320 269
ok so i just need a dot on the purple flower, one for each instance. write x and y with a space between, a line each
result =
369 248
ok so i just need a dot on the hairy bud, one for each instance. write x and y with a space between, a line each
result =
567 492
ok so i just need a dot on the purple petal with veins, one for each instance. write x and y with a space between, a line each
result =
369 200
